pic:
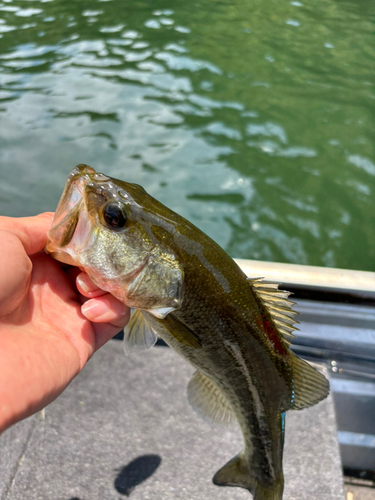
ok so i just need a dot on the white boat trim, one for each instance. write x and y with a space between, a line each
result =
343 280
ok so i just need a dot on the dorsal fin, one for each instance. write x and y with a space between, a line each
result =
277 304
309 386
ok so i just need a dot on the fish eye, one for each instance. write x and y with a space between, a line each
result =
114 215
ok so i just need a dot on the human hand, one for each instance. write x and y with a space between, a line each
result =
52 319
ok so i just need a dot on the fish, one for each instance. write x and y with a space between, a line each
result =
184 288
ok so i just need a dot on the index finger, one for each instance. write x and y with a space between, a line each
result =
31 231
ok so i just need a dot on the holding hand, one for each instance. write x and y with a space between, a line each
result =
52 319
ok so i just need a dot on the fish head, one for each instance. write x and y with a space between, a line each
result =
111 230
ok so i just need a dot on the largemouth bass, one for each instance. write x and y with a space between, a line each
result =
184 288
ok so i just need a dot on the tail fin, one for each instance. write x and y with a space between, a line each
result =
237 473
274 492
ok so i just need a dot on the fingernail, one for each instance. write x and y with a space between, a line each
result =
85 283
94 309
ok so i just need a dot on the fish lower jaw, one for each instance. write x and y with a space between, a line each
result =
63 257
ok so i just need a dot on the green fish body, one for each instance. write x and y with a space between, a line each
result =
183 287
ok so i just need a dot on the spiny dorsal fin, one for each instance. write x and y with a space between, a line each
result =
278 305
309 386
138 334
208 401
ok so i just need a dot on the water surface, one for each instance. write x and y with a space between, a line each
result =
253 119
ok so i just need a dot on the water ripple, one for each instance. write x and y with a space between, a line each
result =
252 119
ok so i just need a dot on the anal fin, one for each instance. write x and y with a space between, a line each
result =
208 401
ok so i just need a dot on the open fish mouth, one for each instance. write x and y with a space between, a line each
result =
71 213
73 191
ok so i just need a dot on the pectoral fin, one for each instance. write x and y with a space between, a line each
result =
208 401
138 334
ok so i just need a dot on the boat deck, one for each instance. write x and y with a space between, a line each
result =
124 427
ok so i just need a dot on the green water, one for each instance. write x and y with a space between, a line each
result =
253 119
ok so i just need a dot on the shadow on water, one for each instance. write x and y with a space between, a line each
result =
135 472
